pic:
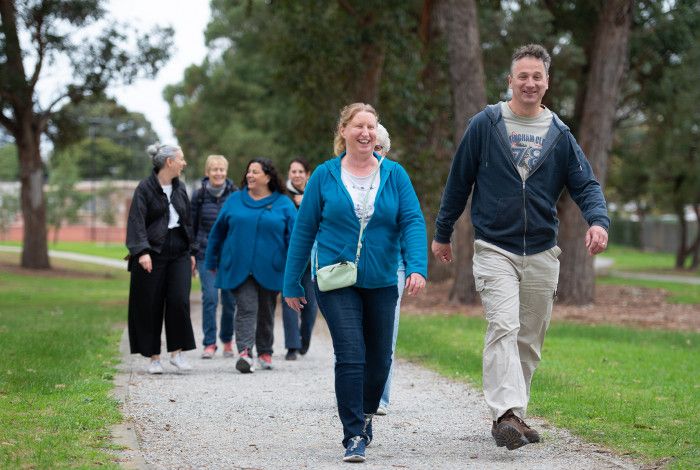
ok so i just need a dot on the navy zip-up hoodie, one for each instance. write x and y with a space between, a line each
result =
518 216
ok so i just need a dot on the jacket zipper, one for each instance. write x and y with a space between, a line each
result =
544 157
524 221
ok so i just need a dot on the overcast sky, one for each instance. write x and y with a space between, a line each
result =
188 18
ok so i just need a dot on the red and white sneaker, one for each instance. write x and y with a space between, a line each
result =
265 361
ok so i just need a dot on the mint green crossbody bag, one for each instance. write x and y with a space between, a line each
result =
344 274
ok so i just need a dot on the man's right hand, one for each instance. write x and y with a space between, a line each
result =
442 251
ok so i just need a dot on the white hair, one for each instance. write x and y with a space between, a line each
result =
383 139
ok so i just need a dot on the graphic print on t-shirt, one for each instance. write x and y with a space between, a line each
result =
526 149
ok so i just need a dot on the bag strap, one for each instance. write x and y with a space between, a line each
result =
363 221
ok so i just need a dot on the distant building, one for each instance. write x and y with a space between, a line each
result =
111 198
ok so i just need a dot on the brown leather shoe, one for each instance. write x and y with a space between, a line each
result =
512 432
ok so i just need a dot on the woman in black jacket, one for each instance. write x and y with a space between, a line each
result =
160 242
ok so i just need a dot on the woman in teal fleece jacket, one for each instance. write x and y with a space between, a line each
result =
248 249
360 317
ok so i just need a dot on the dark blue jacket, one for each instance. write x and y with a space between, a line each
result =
251 238
205 209
518 216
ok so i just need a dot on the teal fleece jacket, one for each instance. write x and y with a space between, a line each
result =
250 238
327 215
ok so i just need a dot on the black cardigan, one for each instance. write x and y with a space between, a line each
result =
149 214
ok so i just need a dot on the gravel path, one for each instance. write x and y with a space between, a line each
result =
215 417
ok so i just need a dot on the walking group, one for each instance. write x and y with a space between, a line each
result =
350 238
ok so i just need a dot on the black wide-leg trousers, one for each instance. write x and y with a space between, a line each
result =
164 293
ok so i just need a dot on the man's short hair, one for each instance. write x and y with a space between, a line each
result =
532 50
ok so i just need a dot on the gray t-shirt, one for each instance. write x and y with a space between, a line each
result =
526 136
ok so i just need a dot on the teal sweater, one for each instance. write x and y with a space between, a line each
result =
327 215
251 237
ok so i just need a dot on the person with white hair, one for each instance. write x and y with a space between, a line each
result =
382 147
160 242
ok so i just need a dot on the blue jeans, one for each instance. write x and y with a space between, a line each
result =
210 300
361 322
294 336
401 273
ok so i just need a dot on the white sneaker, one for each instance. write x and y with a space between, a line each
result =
381 411
179 361
155 367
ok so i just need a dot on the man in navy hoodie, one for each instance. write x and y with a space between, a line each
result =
518 156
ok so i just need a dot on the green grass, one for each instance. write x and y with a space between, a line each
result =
632 259
678 293
636 391
108 250
59 341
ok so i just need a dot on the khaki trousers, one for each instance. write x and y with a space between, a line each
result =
517 293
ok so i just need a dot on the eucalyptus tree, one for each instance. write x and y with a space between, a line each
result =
36 34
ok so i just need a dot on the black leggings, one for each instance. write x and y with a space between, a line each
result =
162 293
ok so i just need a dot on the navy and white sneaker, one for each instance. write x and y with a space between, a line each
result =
367 429
355 450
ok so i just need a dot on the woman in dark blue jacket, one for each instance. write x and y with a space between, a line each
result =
355 188
206 204
248 250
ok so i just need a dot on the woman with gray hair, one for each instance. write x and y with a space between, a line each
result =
382 147
160 242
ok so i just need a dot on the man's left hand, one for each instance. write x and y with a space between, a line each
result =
596 240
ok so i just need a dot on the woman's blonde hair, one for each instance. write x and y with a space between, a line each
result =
346 115
211 159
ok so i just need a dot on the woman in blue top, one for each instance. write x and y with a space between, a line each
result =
248 249
360 317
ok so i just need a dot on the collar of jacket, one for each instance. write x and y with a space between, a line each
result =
293 190
154 183
493 112
256 204
386 169
228 184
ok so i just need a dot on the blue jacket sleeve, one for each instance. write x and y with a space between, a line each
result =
303 235
584 189
412 226
460 180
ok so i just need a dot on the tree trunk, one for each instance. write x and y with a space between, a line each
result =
35 252
695 248
607 64
373 57
466 72
683 237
